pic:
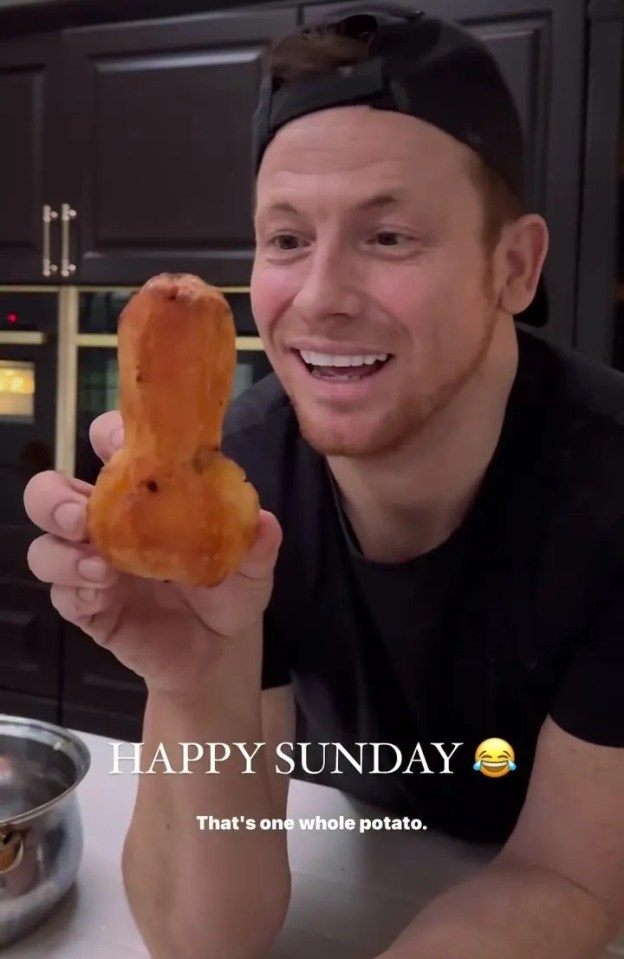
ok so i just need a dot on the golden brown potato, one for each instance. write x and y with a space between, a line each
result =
169 505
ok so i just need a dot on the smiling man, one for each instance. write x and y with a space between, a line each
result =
440 557
449 486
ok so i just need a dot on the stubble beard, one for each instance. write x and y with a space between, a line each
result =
403 423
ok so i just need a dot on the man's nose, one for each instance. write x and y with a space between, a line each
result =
329 288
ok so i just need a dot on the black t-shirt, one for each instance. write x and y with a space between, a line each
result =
517 616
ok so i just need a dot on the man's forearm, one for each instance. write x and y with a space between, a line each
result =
206 893
509 910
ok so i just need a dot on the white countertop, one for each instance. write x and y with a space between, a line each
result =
352 893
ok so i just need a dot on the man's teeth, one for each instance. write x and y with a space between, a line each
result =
329 359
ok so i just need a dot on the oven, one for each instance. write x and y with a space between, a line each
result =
95 383
28 385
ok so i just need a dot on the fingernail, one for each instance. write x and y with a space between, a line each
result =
117 437
93 569
69 517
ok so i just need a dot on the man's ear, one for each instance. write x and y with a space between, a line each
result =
524 250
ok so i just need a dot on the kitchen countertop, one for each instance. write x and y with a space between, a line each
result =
352 892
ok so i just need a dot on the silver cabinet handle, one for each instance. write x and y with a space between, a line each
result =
49 215
67 215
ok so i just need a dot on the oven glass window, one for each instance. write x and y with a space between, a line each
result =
17 391
97 382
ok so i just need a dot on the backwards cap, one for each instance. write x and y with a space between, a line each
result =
422 66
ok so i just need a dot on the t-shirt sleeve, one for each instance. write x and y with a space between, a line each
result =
589 702
275 669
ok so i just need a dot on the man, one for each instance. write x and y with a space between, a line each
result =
440 556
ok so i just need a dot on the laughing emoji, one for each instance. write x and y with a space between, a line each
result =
494 758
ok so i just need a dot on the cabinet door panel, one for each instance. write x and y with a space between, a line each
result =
93 679
29 639
539 45
109 724
161 145
30 707
600 306
522 54
26 162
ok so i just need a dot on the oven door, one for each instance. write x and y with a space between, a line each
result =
29 627
27 416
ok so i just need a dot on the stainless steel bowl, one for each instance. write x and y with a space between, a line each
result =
41 835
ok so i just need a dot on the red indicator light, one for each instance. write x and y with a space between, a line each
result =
12 318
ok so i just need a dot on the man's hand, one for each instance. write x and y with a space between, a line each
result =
171 635
556 890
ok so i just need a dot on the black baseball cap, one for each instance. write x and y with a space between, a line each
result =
425 67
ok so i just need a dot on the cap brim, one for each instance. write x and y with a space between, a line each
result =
537 314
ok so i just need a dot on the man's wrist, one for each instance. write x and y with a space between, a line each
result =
233 677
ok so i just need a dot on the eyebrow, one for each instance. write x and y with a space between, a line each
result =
375 202
380 200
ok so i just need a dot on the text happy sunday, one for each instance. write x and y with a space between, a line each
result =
313 758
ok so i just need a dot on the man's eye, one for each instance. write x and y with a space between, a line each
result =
285 241
388 238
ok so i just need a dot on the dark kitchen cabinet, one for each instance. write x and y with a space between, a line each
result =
158 147
50 669
539 45
30 633
127 149
600 313
154 134
28 172
98 694
29 707
30 641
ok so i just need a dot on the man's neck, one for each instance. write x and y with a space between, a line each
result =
409 502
